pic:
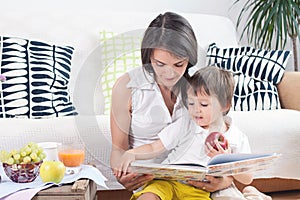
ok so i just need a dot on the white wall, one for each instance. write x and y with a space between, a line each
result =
217 7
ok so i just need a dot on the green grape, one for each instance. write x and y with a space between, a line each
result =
10 161
37 159
4 155
17 156
32 144
33 155
42 156
26 159
13 152
28 150
36 151
23 153
40 149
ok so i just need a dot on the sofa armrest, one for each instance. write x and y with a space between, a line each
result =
272 184
289 90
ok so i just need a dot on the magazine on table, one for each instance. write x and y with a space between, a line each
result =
220 165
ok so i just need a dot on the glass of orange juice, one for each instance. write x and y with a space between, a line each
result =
72 155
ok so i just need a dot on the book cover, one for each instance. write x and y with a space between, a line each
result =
220 165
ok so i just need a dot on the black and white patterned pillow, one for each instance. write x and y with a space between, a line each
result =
37 82
256 73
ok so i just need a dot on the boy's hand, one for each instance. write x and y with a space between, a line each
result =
211 152
126 159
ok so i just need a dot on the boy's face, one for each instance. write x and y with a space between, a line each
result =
203 109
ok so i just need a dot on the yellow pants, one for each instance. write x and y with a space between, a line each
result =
172 190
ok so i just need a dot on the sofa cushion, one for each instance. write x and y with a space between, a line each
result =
289 89
37 76
256 73
270 131
120 53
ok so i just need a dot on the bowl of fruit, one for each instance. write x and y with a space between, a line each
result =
22 166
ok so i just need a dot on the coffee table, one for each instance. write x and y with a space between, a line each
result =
83 189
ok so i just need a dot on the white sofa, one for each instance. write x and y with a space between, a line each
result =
268 131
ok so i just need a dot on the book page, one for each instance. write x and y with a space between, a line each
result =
225 158
241 163
170 172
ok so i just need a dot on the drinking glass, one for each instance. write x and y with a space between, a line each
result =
50 149
72 155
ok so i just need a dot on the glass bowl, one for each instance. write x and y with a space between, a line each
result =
22 173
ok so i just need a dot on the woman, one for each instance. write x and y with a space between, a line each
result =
146 100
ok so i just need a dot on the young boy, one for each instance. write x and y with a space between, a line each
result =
208 98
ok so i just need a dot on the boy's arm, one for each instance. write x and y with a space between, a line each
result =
143 152
148 151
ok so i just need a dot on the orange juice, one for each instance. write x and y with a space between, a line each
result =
71 157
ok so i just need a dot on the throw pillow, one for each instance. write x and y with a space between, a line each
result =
120 53
256 73
37 77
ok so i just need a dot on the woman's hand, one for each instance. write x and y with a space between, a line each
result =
132 181
212 184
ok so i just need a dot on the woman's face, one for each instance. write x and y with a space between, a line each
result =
167 67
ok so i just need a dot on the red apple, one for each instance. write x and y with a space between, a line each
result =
219 137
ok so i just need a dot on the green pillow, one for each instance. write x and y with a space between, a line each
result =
120 53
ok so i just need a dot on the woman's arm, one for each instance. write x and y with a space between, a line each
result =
245 179
212 183
120 119
119 124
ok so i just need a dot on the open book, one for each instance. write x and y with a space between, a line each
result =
220 165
